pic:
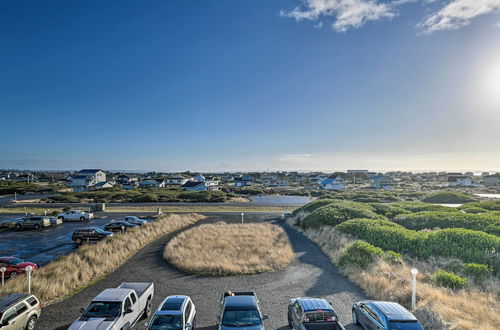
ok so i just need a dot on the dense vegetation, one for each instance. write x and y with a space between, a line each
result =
449 197
449 279
430 220
336 212
487 206
11 187
467 245
139 196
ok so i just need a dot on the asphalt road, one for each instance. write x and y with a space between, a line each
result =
310 274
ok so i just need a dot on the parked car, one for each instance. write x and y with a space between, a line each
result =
33 222
175 312
76 215
90 234
55 221
240 310
135 220
10 224
307 313
15 266
383 315
116 309
119 226
19 311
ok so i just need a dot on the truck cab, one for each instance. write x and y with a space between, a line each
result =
118 308
240 309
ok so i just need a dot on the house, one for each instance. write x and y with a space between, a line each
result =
101 185
125 179
245 180
277 183
85 179
357 172
381 182
200 185
176 180
152 183
332 183
491 180
459 180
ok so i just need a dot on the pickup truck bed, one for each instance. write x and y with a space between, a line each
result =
139 288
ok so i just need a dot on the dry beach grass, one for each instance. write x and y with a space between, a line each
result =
91 262
225 249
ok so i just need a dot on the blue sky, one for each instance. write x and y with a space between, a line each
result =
250 85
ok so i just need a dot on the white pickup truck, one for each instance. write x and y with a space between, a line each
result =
76 215
116 309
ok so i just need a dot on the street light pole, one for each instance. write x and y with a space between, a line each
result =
3 270
28 270
414 273
242 217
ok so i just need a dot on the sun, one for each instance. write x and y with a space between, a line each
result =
489 85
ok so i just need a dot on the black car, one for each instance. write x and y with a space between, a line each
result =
312 313
90 234
119 226
383 315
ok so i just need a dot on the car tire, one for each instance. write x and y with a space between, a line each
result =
13 274
147 309
82 218
31 324
78 241
18 227
36 227
354 317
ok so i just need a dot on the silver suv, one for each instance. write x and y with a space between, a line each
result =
19 311
34 222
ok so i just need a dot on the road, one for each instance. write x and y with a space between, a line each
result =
310 274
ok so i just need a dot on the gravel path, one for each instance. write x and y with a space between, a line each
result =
311 274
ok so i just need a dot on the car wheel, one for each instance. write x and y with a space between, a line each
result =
13 274
78 241
82 218
18 227
147 310
355 317
62 218
36 226
31 323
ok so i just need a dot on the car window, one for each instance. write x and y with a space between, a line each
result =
21 308
188 309
298 309
32 301
128 304
9 315
134 298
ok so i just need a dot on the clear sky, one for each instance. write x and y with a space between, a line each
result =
250 85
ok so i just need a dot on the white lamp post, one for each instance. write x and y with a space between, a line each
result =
414 273
3 270
28 269
242 217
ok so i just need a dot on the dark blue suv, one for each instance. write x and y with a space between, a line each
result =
383 315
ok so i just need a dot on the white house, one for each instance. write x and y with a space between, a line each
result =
459 180
200 185
86 179
152 183
333 183
176 180
491 180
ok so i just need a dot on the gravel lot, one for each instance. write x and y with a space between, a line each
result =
311 274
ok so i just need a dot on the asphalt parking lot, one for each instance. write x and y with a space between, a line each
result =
310 274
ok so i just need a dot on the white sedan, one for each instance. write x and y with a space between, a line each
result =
76 215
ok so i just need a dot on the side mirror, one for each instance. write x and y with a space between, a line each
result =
189 325
128 311
82 310
146 324
265 317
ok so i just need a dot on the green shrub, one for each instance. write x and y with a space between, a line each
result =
393 257
473 210
389 210
334 213
490 205
449 280
310 207
478 271
361 254
419 207
146 198
429 220
449 197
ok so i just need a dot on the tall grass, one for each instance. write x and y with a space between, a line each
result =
91 262
224 249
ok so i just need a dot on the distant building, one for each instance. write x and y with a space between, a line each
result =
357 171
459 180
491 180
245 180
201 183
381 182
87 179
152 183
333 183
176 180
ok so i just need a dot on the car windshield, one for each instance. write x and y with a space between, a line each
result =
161 322
319 316
14 261
241 317
103 309
99 230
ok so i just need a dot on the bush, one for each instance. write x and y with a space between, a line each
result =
419 207
429 220
449 197
478 271
334 213
361 254
473 210
146 198
389 210
310 207
490 206
393 257
449 280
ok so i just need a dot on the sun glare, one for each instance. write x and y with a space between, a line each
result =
489 86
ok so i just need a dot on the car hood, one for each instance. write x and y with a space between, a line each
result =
93 323
251 327
26 264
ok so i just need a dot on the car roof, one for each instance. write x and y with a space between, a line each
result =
11 300
173 304
240 301
116 294
393 311
6 258
313 304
